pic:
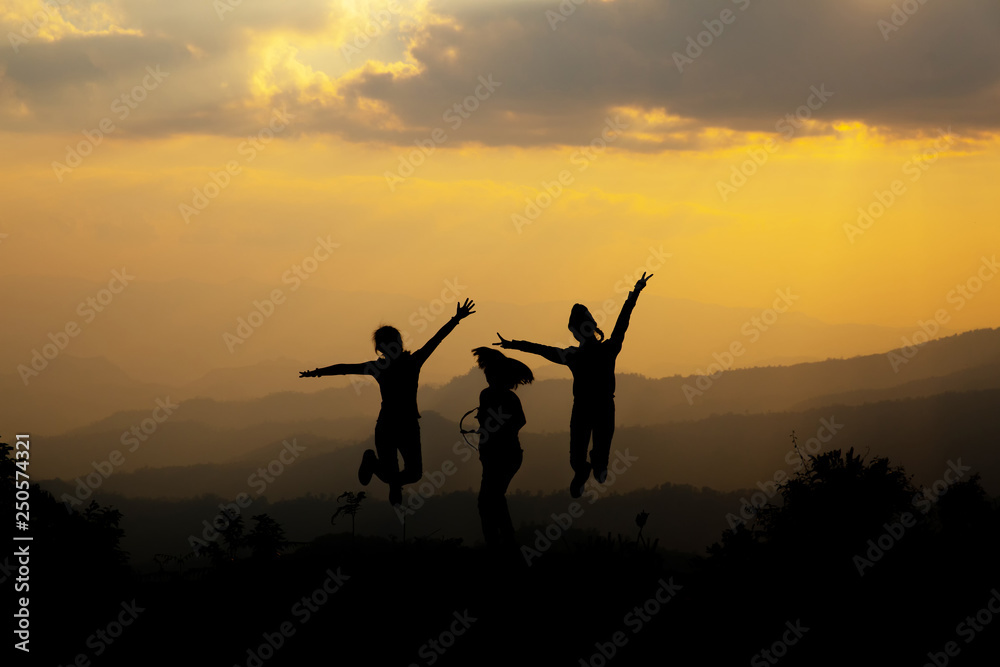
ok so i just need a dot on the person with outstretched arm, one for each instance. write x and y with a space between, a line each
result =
397 372
593 366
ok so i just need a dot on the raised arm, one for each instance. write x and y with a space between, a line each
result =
340 369
461 312
554 354
621 326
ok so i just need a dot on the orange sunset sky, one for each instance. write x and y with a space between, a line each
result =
540 154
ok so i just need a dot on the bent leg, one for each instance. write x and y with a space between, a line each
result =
386 439
580 427
409 448
604 432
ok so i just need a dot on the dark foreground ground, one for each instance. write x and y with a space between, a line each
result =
364 601
854 567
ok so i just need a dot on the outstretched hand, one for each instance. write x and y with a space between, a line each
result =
641 282
504 343
464 310
308 374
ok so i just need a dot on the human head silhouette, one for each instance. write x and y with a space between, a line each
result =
501 371
582 324
388 342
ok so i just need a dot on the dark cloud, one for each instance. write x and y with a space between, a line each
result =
561 74
940 68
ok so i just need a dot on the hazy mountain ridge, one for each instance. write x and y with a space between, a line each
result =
723 452
172 333
681 516
207 430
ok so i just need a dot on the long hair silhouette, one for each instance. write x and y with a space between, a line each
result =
593 366
500 418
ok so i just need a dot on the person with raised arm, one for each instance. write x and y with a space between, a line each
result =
397 372
593 366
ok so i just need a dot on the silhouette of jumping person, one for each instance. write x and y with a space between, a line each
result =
397 430
593 368
500 418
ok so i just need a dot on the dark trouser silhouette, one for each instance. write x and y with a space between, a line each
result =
498 471
595 417
402 435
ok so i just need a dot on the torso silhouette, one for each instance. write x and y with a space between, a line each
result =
398 376
397 382
500 418
593 368
593 362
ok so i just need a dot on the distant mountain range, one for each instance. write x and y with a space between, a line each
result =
171 335
713 465
689 462
207 431
723 452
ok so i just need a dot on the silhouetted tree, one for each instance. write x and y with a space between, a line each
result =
233 534
640 520
8 470
267 539
351 507
835 499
